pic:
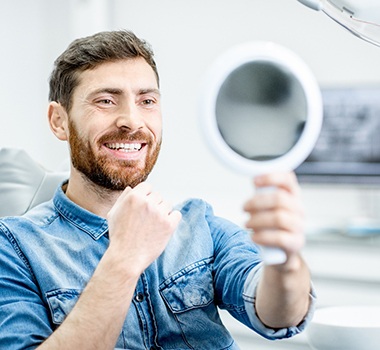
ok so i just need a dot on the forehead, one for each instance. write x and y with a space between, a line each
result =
126 73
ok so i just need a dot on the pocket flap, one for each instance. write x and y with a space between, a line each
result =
192 287
61 302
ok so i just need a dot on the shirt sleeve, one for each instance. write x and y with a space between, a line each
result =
237 271
24 320
249 295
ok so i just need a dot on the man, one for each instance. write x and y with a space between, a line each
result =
108 262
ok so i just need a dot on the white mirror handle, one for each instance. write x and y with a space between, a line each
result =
271 255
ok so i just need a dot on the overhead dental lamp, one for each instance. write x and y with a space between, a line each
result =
360 17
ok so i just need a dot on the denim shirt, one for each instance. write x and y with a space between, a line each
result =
48 255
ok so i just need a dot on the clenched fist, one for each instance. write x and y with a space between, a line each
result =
140 226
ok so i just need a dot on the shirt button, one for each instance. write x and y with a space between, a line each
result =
139 297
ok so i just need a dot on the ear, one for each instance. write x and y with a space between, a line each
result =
58 120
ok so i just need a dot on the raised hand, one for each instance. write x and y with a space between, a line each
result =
277 216
140 225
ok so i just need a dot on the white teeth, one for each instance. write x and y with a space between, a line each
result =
126 147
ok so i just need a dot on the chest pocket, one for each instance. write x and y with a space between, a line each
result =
189 294
61 302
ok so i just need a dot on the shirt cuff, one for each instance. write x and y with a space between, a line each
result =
249 296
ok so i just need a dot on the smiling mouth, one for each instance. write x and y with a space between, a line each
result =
125 147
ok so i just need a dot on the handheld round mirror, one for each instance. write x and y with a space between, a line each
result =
261 112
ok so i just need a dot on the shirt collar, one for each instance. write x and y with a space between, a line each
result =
88 222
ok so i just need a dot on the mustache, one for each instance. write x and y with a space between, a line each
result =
125 135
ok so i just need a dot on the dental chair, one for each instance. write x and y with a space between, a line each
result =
24 183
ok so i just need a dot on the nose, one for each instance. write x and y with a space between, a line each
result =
130 118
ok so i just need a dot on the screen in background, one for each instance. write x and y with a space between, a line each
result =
348 148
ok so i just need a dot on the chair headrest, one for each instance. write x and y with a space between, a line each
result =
24 183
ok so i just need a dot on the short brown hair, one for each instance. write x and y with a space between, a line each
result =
89 52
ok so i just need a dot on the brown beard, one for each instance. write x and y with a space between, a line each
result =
108 173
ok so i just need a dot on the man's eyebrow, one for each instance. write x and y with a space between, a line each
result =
150 91
112 91
117 91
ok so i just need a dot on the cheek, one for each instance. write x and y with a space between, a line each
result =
156 128
79 136
91 133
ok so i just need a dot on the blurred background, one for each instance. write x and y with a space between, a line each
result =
342 209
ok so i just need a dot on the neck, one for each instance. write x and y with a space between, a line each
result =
90 196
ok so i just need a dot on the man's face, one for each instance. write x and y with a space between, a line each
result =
115 124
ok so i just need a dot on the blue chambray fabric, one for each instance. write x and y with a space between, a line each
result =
49 254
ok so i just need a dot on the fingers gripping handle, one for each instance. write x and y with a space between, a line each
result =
271 255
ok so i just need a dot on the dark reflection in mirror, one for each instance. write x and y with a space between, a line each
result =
261 110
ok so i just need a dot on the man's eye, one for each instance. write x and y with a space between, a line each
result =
148 102
106 102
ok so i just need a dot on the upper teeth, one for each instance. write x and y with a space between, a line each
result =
125 146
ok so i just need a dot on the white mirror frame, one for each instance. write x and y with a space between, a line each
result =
215 77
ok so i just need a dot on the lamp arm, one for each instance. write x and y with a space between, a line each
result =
313 4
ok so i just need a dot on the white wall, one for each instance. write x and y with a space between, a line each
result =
33 34
187 36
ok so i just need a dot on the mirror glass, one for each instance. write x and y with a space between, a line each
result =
261 110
